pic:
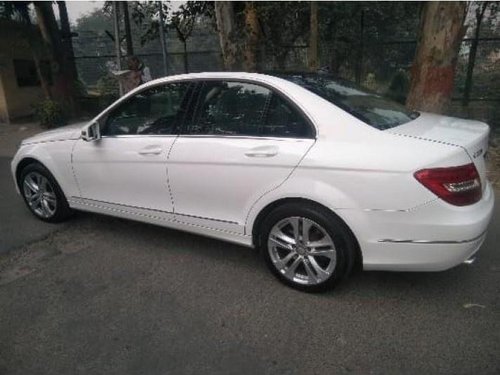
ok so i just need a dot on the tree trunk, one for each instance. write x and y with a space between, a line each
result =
64 88
66 39
224 14
186 68
128 34
433 71
252 37
22 7
312 56
472 53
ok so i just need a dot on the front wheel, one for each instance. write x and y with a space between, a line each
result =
307 246
42 194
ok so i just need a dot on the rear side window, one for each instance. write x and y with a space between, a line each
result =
244 109
371 108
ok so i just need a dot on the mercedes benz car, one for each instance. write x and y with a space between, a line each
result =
318 174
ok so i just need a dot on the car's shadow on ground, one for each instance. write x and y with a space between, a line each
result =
369 285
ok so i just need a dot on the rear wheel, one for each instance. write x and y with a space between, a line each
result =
42 194
307 246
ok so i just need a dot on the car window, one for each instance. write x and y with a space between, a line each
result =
158 110
371 108
283 120
242 108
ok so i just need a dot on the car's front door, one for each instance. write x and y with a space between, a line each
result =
127 166
242 141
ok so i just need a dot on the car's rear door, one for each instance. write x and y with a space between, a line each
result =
242 140
127 167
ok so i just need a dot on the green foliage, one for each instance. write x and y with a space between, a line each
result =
97 21
107 85
284 24
182 20
399 86
49 113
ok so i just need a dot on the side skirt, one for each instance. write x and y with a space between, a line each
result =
161 218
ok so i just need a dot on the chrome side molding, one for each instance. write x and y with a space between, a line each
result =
432 241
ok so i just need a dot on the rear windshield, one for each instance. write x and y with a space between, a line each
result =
371 108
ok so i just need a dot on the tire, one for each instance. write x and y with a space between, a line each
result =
50 206
290 254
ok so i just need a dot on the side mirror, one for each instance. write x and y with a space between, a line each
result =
91 132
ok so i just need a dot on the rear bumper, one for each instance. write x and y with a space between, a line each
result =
424 256
433 237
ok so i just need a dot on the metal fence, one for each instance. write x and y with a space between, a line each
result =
93 68
377 64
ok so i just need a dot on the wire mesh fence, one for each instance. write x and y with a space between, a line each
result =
381 65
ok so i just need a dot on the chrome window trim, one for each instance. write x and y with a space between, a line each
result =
244 137
140 136
207 136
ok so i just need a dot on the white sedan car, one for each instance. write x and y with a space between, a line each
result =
317 173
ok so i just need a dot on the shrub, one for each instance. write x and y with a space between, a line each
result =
107 85
49 113
399 86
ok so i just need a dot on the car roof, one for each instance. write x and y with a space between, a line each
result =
216 75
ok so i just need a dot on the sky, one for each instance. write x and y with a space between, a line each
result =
77 9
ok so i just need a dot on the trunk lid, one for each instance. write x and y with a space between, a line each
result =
471 136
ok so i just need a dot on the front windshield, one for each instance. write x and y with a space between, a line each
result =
371 108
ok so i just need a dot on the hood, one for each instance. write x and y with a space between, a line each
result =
64 133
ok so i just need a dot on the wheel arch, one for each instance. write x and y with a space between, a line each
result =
23 163
259 219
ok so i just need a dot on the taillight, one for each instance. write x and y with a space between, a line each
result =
459 186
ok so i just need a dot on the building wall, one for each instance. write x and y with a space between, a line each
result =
15 101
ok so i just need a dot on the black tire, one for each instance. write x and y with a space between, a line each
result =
62 211
345 244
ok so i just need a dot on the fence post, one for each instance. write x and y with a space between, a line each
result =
472 53
359 65
162 41
117 43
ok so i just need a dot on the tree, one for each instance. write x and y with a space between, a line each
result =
226 26
252 33
128 34
64 88
312 56
67 39
183 21
433 70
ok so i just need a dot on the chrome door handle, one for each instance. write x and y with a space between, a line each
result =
150 151
262 152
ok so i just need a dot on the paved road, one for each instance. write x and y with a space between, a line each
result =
107 296
16 226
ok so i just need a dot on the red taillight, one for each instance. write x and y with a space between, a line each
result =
459 186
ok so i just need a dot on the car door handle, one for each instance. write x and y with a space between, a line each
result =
262 152
152 150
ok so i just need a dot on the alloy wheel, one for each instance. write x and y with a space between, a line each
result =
40 194
302 250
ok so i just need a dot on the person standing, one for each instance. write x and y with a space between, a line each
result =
137 75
